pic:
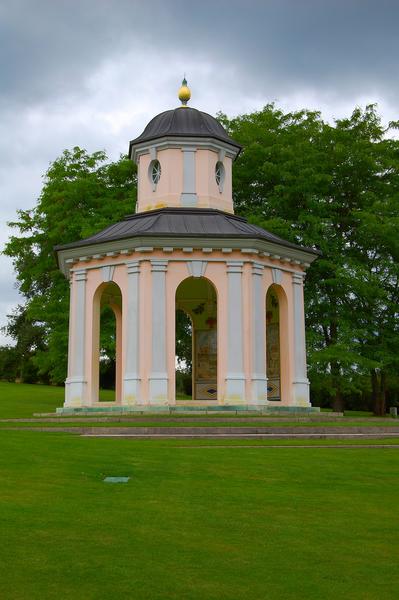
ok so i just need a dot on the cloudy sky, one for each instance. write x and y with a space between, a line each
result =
92 73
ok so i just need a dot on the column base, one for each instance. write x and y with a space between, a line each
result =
301 393
131 390
259 390
158 389
75 391
235 390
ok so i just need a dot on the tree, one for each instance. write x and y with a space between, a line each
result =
82 194
29 338
334 187
9 363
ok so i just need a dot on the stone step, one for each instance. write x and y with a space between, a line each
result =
266 432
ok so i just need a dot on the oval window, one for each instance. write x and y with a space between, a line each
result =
155 171
219 174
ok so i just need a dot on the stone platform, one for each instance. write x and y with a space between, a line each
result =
188 408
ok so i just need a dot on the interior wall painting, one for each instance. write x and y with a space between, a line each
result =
273 346
205 365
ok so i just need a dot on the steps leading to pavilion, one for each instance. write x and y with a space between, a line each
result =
193 407
184 432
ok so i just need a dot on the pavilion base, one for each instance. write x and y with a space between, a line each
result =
188 408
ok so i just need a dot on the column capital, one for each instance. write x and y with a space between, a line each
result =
257 268
234 266
159 265
298 278
133 266
80 275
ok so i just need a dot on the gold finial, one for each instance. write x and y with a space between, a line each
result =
184 92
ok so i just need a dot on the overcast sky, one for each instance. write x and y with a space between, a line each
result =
92 73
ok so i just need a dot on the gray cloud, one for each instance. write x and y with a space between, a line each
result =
50 48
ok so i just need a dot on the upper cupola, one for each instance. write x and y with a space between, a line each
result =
184 159
183 122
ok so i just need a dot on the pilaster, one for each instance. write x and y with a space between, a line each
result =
259 379
235 378
159 378
189 193
76 384
300 382
131 379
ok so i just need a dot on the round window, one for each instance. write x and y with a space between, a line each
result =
155 171
219 174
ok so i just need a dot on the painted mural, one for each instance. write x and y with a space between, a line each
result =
205 364
197 297
273 346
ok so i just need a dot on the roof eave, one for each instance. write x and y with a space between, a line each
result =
138 147
69 255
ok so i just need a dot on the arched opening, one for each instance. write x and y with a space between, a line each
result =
273 345
196 339
107 343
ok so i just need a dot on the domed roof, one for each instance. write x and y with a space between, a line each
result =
184 122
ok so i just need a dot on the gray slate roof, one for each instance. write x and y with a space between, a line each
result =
180 223
183 122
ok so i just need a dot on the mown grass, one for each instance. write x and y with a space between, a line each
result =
199 519
19 400
195 522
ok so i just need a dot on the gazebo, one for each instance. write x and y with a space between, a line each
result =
185 249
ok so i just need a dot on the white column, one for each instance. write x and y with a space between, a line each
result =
235 378
131 380
75 384
159 377
301 382
189 194
259 379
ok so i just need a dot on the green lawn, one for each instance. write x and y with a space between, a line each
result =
199 519
195 523
19 400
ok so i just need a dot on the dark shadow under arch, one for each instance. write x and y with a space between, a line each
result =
107 342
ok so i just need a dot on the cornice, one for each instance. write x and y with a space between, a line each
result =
144 247
165 143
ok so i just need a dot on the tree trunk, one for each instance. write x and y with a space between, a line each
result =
374 388
378 384
338 402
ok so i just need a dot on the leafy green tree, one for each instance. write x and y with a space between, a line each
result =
334 187
9 363
378 250
29 338
82 193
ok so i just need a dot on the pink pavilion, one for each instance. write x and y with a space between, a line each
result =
185 249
